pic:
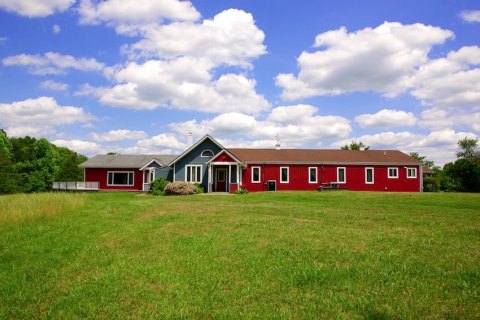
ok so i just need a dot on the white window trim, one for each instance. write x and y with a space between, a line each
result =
187 167
344 174
259 174
415 173
373 175
202 156
132 183
288 175
316 175
388 173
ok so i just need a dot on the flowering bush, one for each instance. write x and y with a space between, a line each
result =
180 188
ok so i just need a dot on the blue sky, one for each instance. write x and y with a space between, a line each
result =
134 76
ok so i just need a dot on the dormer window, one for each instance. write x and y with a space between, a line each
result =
207 153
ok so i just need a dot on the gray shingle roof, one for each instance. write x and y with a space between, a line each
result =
126 161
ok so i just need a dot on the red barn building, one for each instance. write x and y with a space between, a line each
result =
220 169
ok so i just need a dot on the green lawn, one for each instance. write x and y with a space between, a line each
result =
301 255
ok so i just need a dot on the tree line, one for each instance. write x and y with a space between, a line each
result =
31 165
462 175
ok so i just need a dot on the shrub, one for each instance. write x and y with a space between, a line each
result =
158 186
431 184
180 188
241 190
199 187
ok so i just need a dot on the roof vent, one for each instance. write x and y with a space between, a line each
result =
384 153
361 148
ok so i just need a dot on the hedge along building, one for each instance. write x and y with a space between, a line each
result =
219 169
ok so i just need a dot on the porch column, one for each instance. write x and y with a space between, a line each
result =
239 175
209 187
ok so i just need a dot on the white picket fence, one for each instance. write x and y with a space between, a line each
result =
75 186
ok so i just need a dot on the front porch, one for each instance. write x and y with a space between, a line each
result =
224 177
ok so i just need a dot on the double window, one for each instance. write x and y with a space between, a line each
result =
120 178
369 176
411 173
194 174
393 173
312 175
341 175
284 173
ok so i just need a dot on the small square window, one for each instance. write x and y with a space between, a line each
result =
411 173
393 172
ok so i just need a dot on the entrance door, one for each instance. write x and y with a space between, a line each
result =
221 180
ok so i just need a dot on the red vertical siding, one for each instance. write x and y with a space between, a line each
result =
100 175
355 178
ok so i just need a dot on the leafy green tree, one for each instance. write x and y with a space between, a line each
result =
44 166
355 146
68 165
464 173
9 178
423 159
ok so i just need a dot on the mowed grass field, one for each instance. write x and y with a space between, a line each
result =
300 255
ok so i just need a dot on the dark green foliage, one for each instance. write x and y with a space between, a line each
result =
199 188
431 184
354 145
464 174
423 159
68 167
31 165
158 186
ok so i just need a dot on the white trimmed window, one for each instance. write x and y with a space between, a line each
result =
393 173
120 178
341 175
284 174
369 176
312 175
193 174
255 174
411 173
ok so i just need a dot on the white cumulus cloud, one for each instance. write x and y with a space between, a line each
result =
35 8
53 85
231 38
39 116
470 15
87 148
386 118
119 135
381 59
439 146
130 16
52 63
185 84
294 131
452 81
